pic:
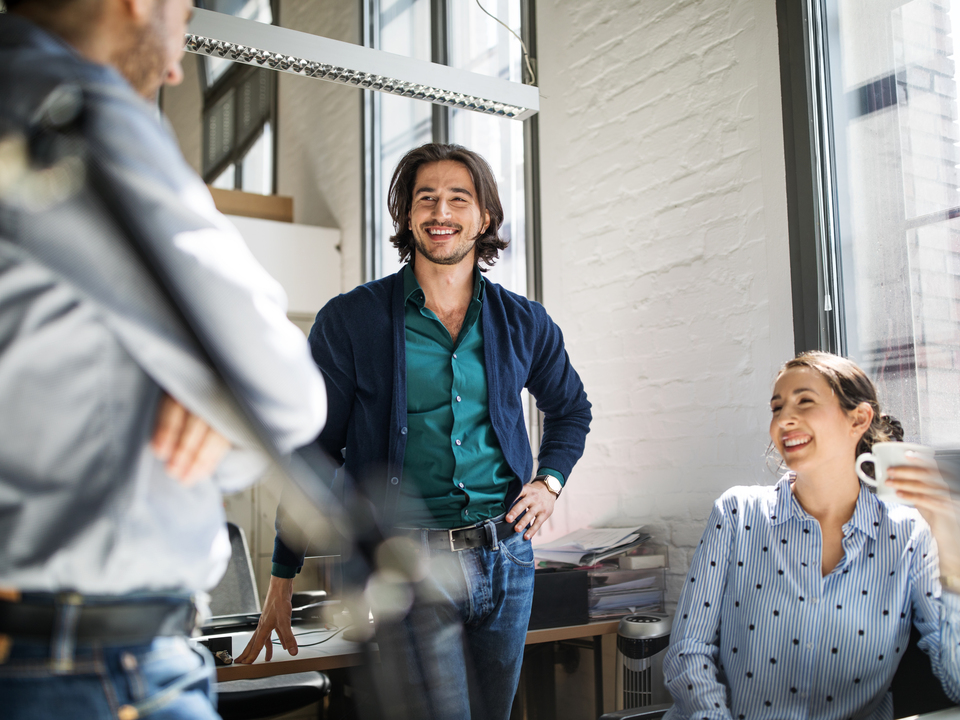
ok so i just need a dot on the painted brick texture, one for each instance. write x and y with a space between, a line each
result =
665 250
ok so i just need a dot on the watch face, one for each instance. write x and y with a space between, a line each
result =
553 485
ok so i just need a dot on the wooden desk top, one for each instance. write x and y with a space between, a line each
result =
339 653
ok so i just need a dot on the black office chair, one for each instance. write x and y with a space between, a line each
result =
266 697
651 712
259 698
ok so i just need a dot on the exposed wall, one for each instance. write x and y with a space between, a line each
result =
319 143
320 125
665 249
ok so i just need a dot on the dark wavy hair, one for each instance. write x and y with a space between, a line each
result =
851 386
400 199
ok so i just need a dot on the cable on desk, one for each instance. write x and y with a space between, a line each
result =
318 642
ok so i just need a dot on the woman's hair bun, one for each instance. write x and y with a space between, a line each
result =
893 427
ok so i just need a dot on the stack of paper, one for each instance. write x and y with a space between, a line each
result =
588 546
613 593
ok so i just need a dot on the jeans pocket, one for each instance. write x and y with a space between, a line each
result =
161 676
518 551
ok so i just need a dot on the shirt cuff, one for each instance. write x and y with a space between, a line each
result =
284 571
552 473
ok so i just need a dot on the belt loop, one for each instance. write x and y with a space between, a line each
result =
491 530
63 639
425 541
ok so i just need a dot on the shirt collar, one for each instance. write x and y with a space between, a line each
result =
412 290
866 513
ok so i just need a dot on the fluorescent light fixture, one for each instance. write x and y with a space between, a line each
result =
246 41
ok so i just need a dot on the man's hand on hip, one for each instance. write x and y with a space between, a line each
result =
538 501
190 448
277 610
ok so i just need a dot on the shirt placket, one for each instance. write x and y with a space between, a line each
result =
457 438
811 602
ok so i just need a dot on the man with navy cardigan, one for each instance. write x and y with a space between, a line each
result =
424 372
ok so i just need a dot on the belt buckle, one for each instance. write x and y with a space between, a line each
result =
451 540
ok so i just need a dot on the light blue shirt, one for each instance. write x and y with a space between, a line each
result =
759 633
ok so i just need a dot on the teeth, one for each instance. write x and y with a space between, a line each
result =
441 232
794 442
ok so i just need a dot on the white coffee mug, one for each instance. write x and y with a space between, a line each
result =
885 455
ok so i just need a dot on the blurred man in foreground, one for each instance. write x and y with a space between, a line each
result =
110 489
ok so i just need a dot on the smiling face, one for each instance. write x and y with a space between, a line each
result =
445 216
809 428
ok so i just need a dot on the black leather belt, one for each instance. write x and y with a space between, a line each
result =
104 621
465 538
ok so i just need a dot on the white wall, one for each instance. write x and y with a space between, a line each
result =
665 249
319 152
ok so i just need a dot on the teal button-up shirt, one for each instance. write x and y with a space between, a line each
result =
454 471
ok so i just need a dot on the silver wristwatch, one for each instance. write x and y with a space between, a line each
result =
553 485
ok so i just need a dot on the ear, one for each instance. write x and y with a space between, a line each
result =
862 416
486 222
138 10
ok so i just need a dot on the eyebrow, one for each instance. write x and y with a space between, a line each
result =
796 392
456 190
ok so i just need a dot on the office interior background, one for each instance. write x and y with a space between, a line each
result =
670 206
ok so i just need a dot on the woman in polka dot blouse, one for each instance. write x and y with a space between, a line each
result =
800 596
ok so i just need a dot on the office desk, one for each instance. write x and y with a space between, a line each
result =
337 653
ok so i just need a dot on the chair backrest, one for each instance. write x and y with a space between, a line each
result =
916 690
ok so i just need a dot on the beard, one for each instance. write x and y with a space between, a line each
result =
455 254
143 62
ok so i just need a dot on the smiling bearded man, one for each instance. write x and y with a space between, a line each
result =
425 370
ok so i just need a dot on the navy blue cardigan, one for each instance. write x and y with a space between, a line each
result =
358 341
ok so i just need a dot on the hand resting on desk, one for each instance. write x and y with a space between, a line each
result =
275 616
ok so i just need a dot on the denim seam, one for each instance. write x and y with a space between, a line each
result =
103 673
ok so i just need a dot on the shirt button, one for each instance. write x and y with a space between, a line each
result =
458 398
815 600
458 442
454 356
460 485
394 481
466 513
810 646
403 431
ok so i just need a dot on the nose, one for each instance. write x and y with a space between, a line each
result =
174 74
442 208
786 417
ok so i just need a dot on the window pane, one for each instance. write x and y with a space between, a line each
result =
227 180
894 113
258 10
500 142
480 44
403 123
257 175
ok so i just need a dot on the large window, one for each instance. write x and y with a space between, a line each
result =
239 111
460 34
881 261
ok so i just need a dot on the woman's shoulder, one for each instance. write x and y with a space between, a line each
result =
894 515
748 495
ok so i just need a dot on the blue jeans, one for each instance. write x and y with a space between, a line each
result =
168 679
458 653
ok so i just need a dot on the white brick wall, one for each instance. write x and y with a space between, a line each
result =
665 249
